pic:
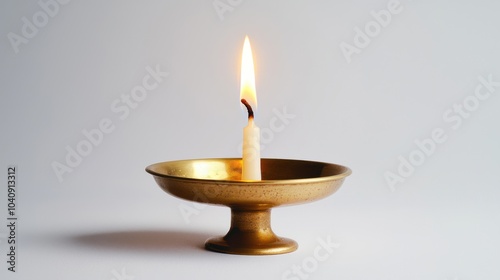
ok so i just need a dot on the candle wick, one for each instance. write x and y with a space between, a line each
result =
249 108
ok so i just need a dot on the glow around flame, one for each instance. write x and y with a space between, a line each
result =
247 89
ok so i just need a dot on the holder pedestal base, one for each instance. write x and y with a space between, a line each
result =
251 234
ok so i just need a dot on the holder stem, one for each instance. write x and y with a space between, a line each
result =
251 234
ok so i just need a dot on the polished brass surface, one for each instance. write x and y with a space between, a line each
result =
218 181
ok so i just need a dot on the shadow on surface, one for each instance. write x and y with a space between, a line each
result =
144 240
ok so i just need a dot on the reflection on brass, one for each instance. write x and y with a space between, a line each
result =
218 181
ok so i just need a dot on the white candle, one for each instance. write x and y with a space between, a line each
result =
251 151
251 133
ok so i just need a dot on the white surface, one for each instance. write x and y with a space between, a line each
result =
108 217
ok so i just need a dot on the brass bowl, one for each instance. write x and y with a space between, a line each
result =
218 181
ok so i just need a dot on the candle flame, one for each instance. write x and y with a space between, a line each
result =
247 89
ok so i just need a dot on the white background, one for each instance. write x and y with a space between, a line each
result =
107 219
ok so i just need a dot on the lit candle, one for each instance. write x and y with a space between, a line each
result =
251 133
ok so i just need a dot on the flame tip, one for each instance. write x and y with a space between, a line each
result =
247 90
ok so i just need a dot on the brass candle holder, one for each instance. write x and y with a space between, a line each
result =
218 181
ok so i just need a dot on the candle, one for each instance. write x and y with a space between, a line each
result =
251 133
